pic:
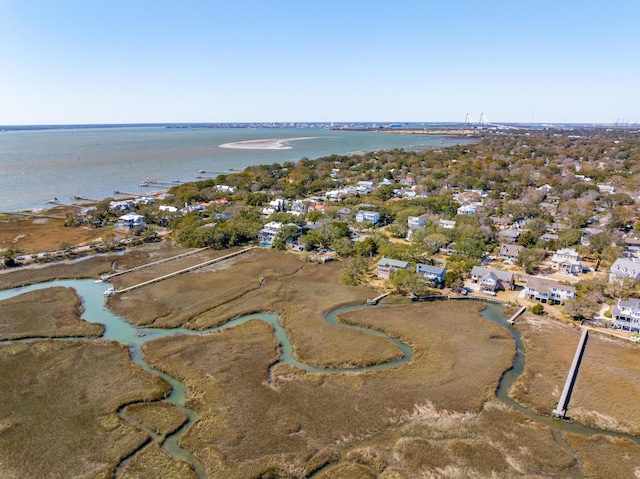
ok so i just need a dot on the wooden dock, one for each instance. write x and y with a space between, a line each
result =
107 277
512 319
182 271
378 298
561 409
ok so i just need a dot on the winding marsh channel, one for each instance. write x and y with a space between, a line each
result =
117 329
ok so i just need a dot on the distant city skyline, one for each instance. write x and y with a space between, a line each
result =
106 62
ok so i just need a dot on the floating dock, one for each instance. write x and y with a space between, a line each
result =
561 409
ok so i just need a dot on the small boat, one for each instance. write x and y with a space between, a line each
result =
109 291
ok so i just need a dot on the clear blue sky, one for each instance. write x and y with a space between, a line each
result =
127 61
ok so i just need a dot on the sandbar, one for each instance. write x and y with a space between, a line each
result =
265 144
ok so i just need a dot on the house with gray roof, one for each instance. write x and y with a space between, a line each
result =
492 280
387 266
624 268
433 273
548 291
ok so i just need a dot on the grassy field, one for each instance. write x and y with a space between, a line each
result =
154 462
161 417
434 417
88 267
247 425
58 410
32 234
54 312
608 381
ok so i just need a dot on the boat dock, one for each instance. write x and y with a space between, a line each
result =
176 273
107 277
561 409
512 319
378 298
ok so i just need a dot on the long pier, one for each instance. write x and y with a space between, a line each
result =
561 409
176 273
107 277
512 319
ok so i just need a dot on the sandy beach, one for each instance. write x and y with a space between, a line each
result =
265 144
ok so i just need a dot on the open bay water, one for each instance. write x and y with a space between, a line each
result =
39 165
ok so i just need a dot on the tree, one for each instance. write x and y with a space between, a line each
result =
537 309
385 192
343 247
530 259
314 215
569 237
580 308
408 282
285 233
354 271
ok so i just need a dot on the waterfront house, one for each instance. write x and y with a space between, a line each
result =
268 233
130 221
548 291
626 315
624 268
387 266
124 205
364 216
492 280
566 260
433 273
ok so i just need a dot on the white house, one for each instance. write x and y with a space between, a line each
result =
626 315
418 221
566 260
624 268
130 221
548 291
447 224
364 216
467 210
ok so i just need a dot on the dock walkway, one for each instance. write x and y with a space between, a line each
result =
107 277
561 409
176 273
378 298
512 319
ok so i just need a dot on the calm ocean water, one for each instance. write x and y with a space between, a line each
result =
39 165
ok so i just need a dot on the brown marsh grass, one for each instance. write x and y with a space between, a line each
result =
89 267
161 417
608 382
606 457
153 462
52 312
31 234
248 426
58 410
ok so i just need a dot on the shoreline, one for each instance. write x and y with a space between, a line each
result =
264 144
